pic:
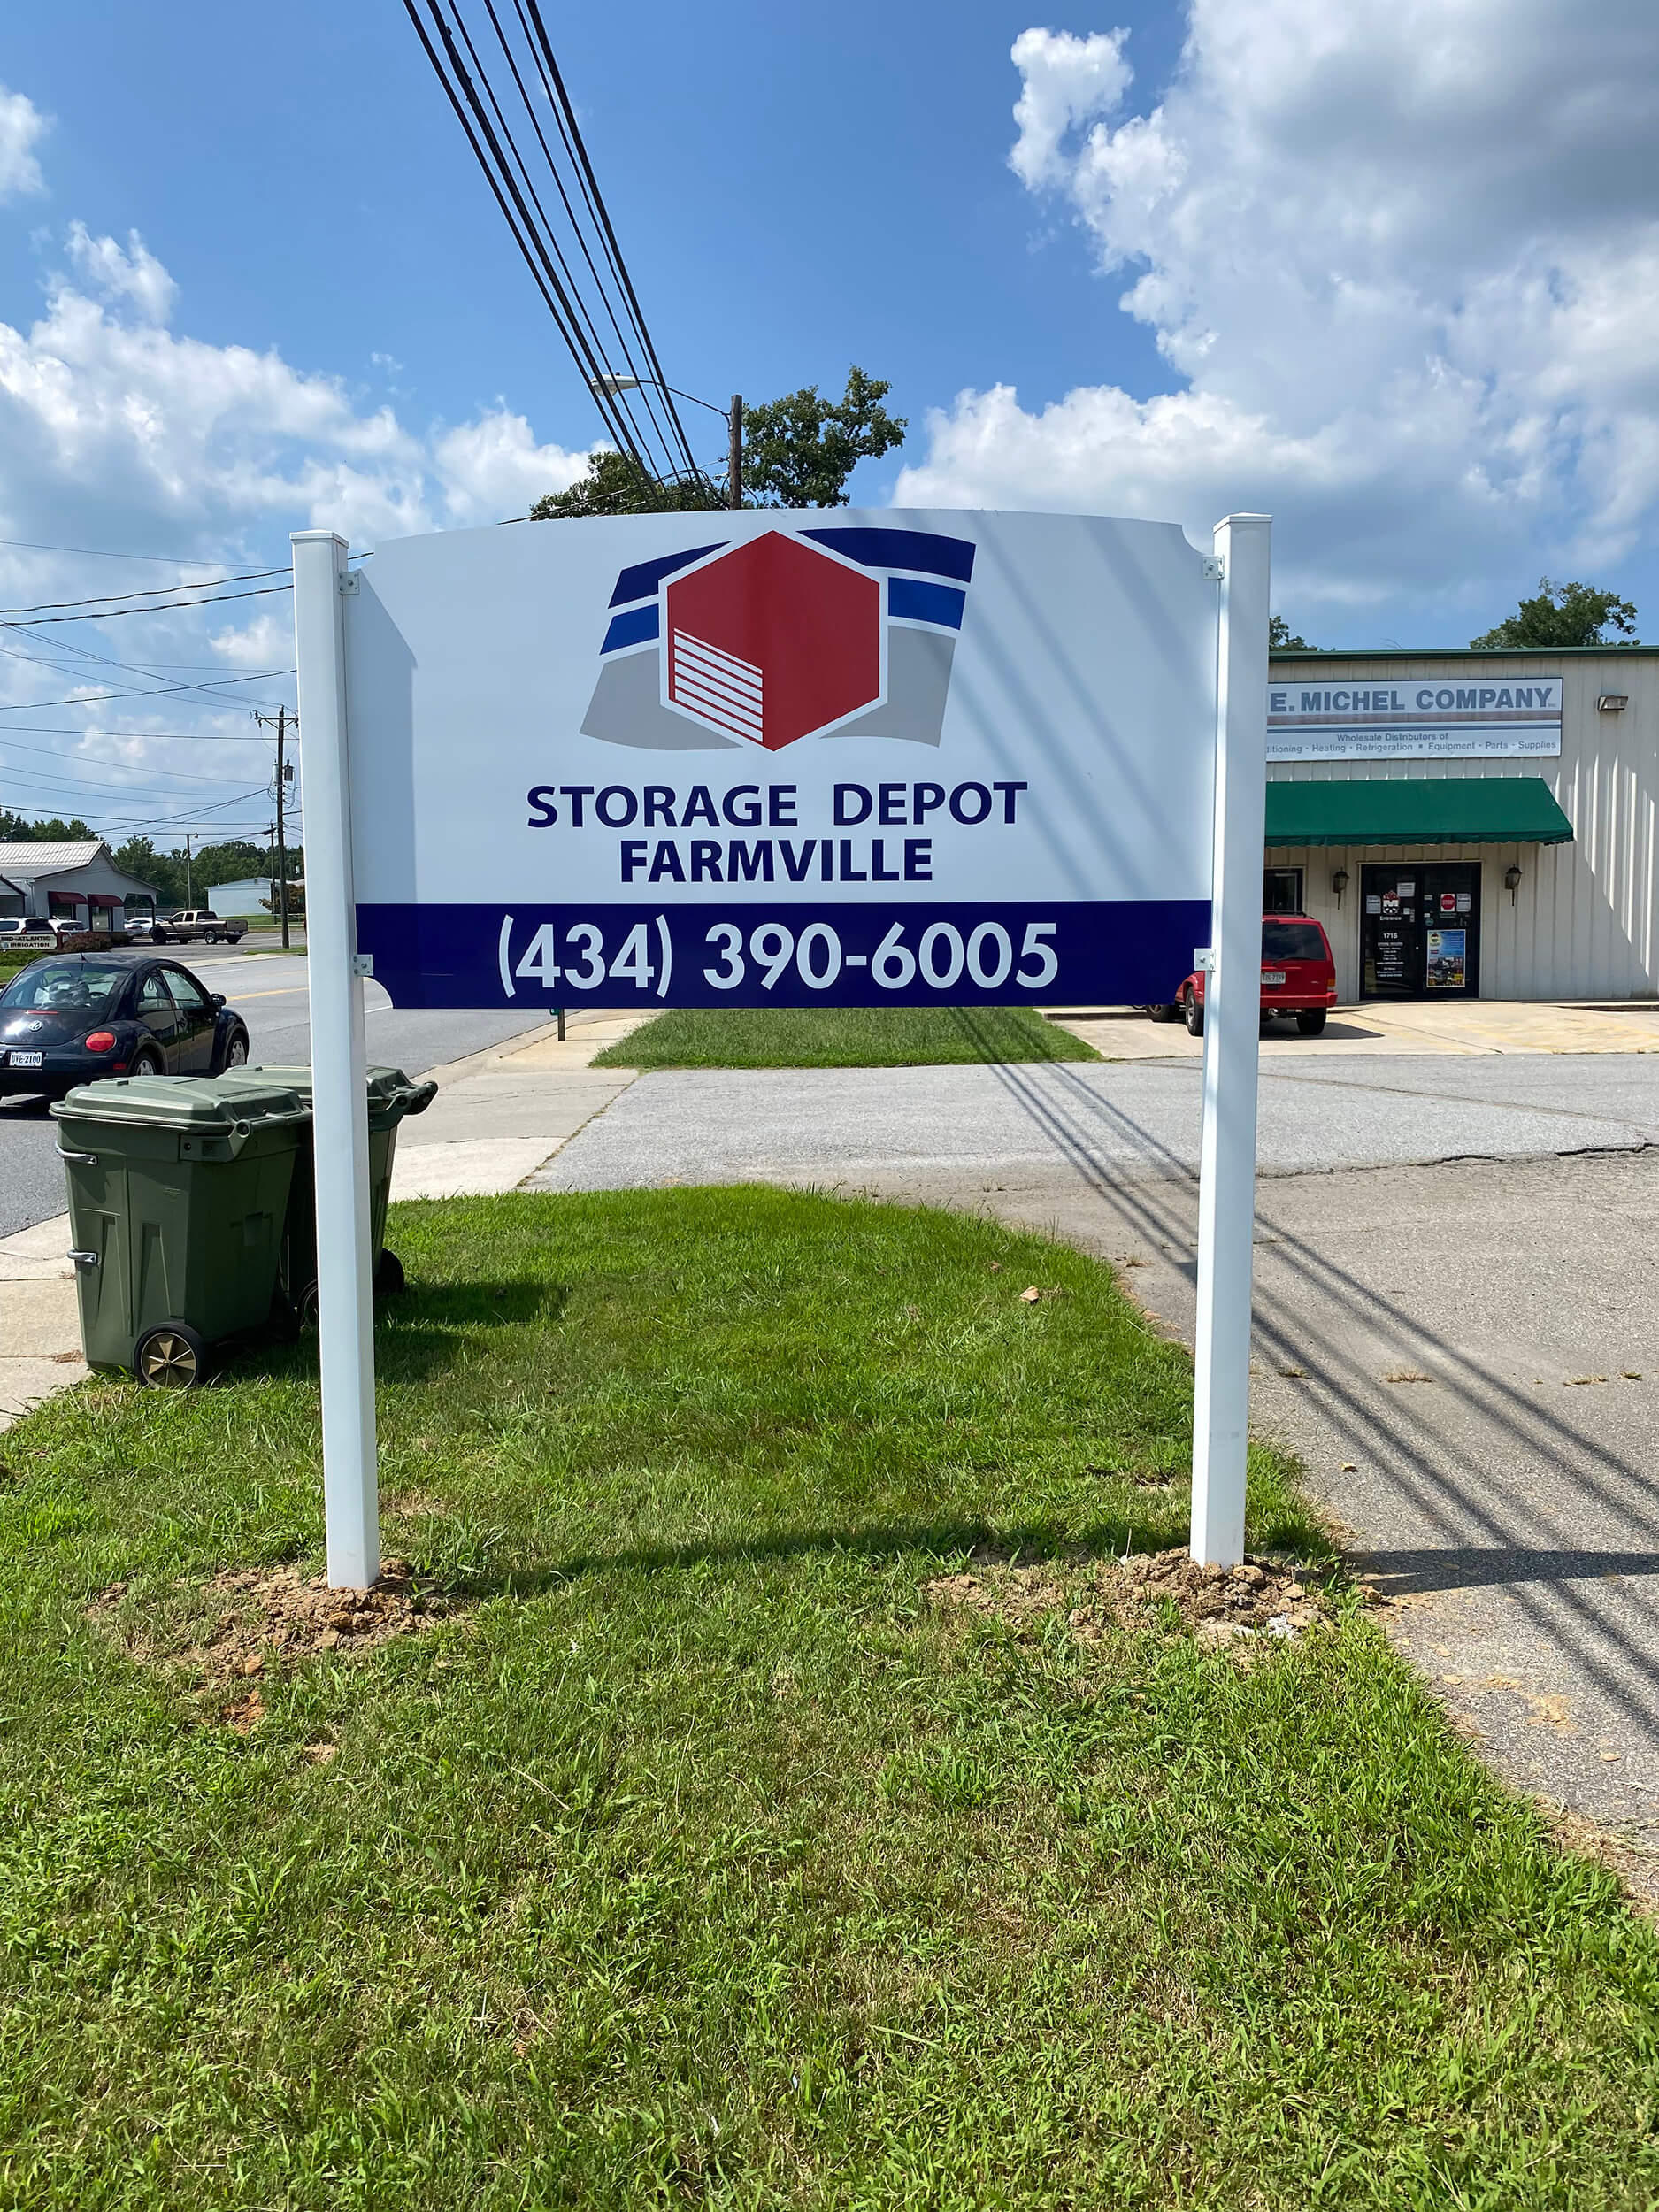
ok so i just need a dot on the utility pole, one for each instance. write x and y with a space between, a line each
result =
734 465
189 879
281 722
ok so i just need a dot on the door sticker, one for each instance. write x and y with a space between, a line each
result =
1447 959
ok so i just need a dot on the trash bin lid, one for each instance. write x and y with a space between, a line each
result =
389 1089
198 1105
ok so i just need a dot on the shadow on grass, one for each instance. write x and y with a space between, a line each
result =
940 1539
421 1332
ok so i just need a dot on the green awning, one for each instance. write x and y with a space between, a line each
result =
1446 810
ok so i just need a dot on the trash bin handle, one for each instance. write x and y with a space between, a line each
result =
84 1259
81 1159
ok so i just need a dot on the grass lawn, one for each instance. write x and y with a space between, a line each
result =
702 1858
845 1037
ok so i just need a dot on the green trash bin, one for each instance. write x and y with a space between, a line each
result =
393 1098
178 1190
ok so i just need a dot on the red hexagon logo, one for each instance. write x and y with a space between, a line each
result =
773 641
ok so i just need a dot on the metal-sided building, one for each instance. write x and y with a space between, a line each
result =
76 883
1470 824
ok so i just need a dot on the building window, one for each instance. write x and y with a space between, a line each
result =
1281 891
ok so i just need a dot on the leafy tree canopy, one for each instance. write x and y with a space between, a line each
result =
1280 639
14 829
1563 615
798 451
616 485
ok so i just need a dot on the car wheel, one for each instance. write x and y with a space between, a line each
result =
1310 1021
1164 1013
171 1356
237 1051
1192 1013
147 1060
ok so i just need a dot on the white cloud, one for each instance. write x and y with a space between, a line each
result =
494 468
134 275
1067 80
119 430
1401 255
21 125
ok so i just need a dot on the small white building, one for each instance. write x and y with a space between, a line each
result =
74 883
1470 824
247 896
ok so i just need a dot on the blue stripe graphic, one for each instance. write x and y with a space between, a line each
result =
918 549
640 580
925 602
632 628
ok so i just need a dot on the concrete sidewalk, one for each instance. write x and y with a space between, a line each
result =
498 1116
1463 1026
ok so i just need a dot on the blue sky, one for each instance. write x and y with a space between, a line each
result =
793 189
1392 269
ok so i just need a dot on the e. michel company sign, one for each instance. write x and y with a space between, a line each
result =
1417 719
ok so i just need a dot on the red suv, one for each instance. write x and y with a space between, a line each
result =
1298 977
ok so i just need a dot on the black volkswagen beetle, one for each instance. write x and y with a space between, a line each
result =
70 1018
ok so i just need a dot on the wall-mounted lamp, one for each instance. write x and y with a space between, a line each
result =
1511 880
1339 884
1613 702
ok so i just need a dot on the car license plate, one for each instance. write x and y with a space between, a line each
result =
26 1059
1272 975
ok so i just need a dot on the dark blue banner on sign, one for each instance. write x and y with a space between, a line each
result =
1105 953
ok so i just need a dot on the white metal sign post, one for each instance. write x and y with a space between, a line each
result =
345 1310
788 758
1233 1031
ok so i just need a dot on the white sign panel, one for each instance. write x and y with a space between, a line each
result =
783 759
1415 718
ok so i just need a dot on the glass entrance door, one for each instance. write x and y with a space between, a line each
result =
1420 929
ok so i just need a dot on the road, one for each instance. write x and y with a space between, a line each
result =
271 991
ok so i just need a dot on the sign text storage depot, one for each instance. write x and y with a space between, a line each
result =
787 759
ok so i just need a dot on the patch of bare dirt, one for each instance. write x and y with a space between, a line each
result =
1219 1605
270 1620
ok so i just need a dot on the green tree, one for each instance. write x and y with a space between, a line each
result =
616 485
1563 615
15 830
1280 639
139 857
798 451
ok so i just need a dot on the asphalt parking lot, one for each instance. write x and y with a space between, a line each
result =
272 992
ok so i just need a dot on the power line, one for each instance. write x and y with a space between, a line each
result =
644 425
101 553
150 691
151 591
190 737
110 760
165 606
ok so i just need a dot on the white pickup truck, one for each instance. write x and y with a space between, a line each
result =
195 923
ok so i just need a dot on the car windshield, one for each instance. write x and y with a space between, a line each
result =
1292 941
52 987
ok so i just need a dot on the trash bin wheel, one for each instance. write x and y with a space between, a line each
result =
307 1306
169 1357
388 1276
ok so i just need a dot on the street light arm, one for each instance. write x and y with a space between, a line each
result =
634 383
